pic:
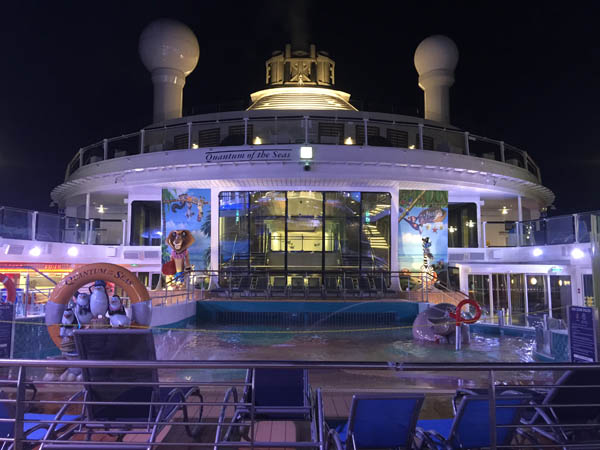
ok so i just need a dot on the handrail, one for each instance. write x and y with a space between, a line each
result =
376 118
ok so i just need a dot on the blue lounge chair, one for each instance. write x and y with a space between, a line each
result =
378 421
36 427
126 344
564 418
470 427
279 395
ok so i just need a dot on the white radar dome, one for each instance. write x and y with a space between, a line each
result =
169 44
436 52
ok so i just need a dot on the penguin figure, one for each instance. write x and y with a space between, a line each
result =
98 298
67 323
116 313
82 309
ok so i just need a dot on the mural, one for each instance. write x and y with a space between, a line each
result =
423 234
185 231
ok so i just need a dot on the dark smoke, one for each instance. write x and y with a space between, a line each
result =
298 16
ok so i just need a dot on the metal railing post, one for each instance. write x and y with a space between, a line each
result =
34 225
19 408
366 132
105 148
142 140
80 157
467 152
525 160
483 243
502 158
245 131
189 124
305 119
492 401
576 226
421 136
124 233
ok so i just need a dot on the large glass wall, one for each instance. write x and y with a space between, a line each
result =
517 300
462 225
500 294
560 293
145 223
537 297
479 290
304 231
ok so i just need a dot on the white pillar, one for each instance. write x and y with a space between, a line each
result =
87 205
394 238
519 208
480 234
214 229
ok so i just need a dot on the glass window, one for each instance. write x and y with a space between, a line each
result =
342 204
560 290
500 293
342 230
375 236
588 289
462 225
479 289
145 223
517 300
536 295
267 230
233 230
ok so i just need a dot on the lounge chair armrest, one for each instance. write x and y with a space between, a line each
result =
432 438
333 436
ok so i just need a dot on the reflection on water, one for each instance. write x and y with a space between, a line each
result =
390 345
239 343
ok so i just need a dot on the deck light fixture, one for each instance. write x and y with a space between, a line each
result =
348 141
35 251
73 252
306 152
537 252
577 253
257 141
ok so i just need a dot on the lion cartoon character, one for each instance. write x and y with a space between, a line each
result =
180 241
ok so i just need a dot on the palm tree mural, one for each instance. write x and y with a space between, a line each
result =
205 229
168 197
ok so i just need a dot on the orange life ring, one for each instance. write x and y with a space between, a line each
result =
9 285
68 286
458 316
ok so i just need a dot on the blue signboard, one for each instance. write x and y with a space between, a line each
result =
7 311
582 334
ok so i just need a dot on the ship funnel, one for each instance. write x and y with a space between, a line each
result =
169 50
435 60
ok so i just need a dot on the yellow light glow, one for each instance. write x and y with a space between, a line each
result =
194 145
451 229
470 224
348 141
301 97
533 281
504 210
101 209
257 140
412 147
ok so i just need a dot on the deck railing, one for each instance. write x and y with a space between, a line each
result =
215 379
360 129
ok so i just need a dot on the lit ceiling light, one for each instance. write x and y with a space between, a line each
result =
577 253
348 141
73 252
533 281
560 282
101 209
451 229
138 169
470 224
537 252
504 210
306 152
35 251
257 140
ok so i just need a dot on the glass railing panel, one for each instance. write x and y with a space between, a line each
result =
74 231
440 140
533 232
74 165
402 135
484 148
329 131
93 153
290 131
501 234
106 232
49 227
584 227
560 230
262 132
177 138
232 133
16 223
514 156
124 146
208 134
154 140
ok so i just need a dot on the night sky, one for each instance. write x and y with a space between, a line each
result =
527 74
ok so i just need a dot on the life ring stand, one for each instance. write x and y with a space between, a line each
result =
458 316
68 286
9 285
